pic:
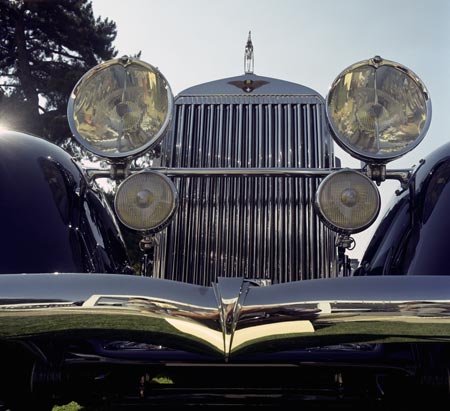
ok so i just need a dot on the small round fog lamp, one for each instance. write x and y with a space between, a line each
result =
146 201
347 201
378 110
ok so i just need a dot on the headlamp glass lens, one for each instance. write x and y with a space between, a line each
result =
378 112
118 110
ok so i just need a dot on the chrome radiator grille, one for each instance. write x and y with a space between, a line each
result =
253 227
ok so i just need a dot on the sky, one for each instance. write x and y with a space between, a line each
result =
303 41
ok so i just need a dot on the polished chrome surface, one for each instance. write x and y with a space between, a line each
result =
231 317
120 108
245 172
402 175
249 59
254 227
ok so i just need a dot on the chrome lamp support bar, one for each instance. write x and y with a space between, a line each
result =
402 175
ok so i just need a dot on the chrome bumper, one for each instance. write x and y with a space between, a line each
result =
231 318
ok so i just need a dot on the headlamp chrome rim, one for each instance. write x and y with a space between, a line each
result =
124 62
323 215
377 63
169 215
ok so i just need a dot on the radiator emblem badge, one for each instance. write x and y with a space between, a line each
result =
248 85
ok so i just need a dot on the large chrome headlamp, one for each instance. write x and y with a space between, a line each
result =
120 108
347 201
378 110
146 201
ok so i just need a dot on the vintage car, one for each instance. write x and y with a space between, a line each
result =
244 294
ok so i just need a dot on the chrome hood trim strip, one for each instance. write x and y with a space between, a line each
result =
231 317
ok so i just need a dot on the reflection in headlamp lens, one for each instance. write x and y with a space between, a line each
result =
117 109
378 112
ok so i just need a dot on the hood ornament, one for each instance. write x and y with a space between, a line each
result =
249 61
248 84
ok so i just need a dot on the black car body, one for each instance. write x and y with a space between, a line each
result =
246 296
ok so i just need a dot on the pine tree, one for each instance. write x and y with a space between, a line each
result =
45 47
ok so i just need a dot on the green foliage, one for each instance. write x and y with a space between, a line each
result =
72 406
45 47
160 379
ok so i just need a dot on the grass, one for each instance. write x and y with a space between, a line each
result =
71 406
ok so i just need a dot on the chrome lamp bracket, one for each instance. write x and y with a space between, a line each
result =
344 240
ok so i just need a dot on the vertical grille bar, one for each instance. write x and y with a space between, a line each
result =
254 227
